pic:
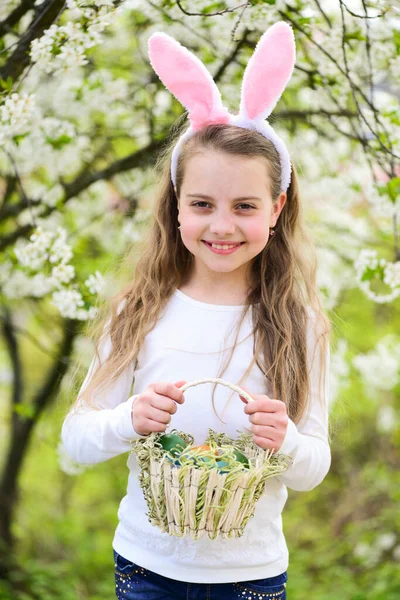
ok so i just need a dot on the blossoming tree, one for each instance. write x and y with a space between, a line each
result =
82 116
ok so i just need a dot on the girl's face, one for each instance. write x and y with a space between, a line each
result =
226 211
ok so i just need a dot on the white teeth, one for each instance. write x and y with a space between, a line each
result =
224 247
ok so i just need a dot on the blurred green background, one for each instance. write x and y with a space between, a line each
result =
343 536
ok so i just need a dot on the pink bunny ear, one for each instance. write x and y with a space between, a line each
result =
268 71
188 80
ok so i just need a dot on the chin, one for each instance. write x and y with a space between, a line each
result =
224 268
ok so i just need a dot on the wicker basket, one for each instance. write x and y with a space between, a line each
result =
197 500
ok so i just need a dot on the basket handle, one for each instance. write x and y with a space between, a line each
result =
232 386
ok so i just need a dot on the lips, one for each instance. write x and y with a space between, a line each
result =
223 243
223 248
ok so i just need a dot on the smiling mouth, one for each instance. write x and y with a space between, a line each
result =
224 246
222 249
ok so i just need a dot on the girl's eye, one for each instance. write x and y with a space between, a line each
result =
247 206
200 202
242 206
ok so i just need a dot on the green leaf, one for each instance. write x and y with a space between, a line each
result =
355 35
255 2
393 187
24 410
396 39
58 143
6 84
18 138
368 274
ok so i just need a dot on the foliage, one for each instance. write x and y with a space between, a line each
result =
81 120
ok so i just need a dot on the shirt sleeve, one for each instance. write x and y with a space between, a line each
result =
92 436
308 442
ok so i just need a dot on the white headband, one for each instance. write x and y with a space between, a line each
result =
266 76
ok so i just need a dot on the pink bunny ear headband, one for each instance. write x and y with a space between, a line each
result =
266 76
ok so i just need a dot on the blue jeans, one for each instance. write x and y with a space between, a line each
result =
136 583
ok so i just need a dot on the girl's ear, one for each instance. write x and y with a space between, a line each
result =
268 71
278 206
188 80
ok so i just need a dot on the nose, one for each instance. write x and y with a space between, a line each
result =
222 224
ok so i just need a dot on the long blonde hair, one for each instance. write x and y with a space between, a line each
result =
283 299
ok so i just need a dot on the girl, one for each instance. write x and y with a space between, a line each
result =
226 286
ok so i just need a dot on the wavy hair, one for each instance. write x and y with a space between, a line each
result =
283 300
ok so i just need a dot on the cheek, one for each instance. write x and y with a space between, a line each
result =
257 231
191 228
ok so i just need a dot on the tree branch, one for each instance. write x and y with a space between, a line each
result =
365 16
15 16
11 343
231 57
347 75
32 338
21 187
49 387
323 13
84 180
215 14
19 59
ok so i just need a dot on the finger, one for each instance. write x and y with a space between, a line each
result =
164 403
155 414
262 404
265 431
166 388
265 443
180 383
155 426
243 399
262 418
145 426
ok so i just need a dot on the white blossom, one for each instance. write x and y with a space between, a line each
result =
86 315
392 274
68 301
35 253
380 368
5 271
386 540
55 128
142 216
52 196
62 273
95 283
131 232
16 115
18 285
387 419
379 298
60 251
41 285
62 47
362 550
367 259
371 554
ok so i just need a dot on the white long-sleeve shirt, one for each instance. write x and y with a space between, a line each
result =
191 341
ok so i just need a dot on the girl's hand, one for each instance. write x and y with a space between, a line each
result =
152 409
269 421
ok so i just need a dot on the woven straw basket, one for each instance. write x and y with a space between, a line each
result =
198 500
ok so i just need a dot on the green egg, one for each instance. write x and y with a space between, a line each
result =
172 443
241 458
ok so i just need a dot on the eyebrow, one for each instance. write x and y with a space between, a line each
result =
241 198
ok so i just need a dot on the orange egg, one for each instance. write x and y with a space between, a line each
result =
203 448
